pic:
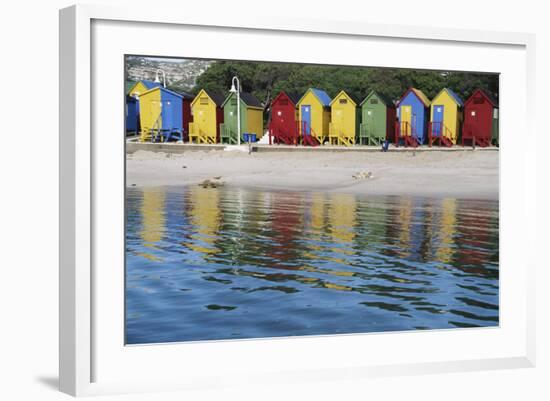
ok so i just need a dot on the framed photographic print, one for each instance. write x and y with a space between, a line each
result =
275 200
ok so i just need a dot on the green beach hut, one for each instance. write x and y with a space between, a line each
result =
377 119
251 117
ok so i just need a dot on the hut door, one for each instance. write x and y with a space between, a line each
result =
232 123
338 122
306 119
414 126
155 112
473 122
474 118
370 122
437 126
279 119
406 120
202 116
167 115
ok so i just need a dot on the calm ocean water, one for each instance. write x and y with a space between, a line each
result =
225 263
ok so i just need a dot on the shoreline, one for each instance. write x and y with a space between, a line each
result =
465 175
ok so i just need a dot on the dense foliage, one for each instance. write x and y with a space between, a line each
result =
265 80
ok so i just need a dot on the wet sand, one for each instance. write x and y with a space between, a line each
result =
460 174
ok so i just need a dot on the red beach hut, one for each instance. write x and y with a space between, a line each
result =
282 127
480 119
186 113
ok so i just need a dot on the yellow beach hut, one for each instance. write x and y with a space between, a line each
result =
153 224
132 103
207 113
446 116
343 126
314 116
141 87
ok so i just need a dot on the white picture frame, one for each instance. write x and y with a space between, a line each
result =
91 362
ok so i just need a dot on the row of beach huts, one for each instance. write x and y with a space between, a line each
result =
158 114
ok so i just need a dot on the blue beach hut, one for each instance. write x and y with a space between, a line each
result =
161 115
132 117
413 116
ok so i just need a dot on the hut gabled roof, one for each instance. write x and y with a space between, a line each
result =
185 95
217 97
321 95
346 94
419 94
145 82
162 89
293 97
385 99
248 98
487 96
453 95
150 84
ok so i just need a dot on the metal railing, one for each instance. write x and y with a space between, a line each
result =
405 132
227 134
367 134
438 132
195 133
307 134
278 135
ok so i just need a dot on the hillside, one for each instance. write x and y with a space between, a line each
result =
181 74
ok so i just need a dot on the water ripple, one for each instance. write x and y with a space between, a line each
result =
210 263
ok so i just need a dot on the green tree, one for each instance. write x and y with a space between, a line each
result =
266 80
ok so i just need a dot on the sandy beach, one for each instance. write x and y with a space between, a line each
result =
460 174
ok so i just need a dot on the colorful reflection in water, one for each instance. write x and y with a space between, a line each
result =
211 263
